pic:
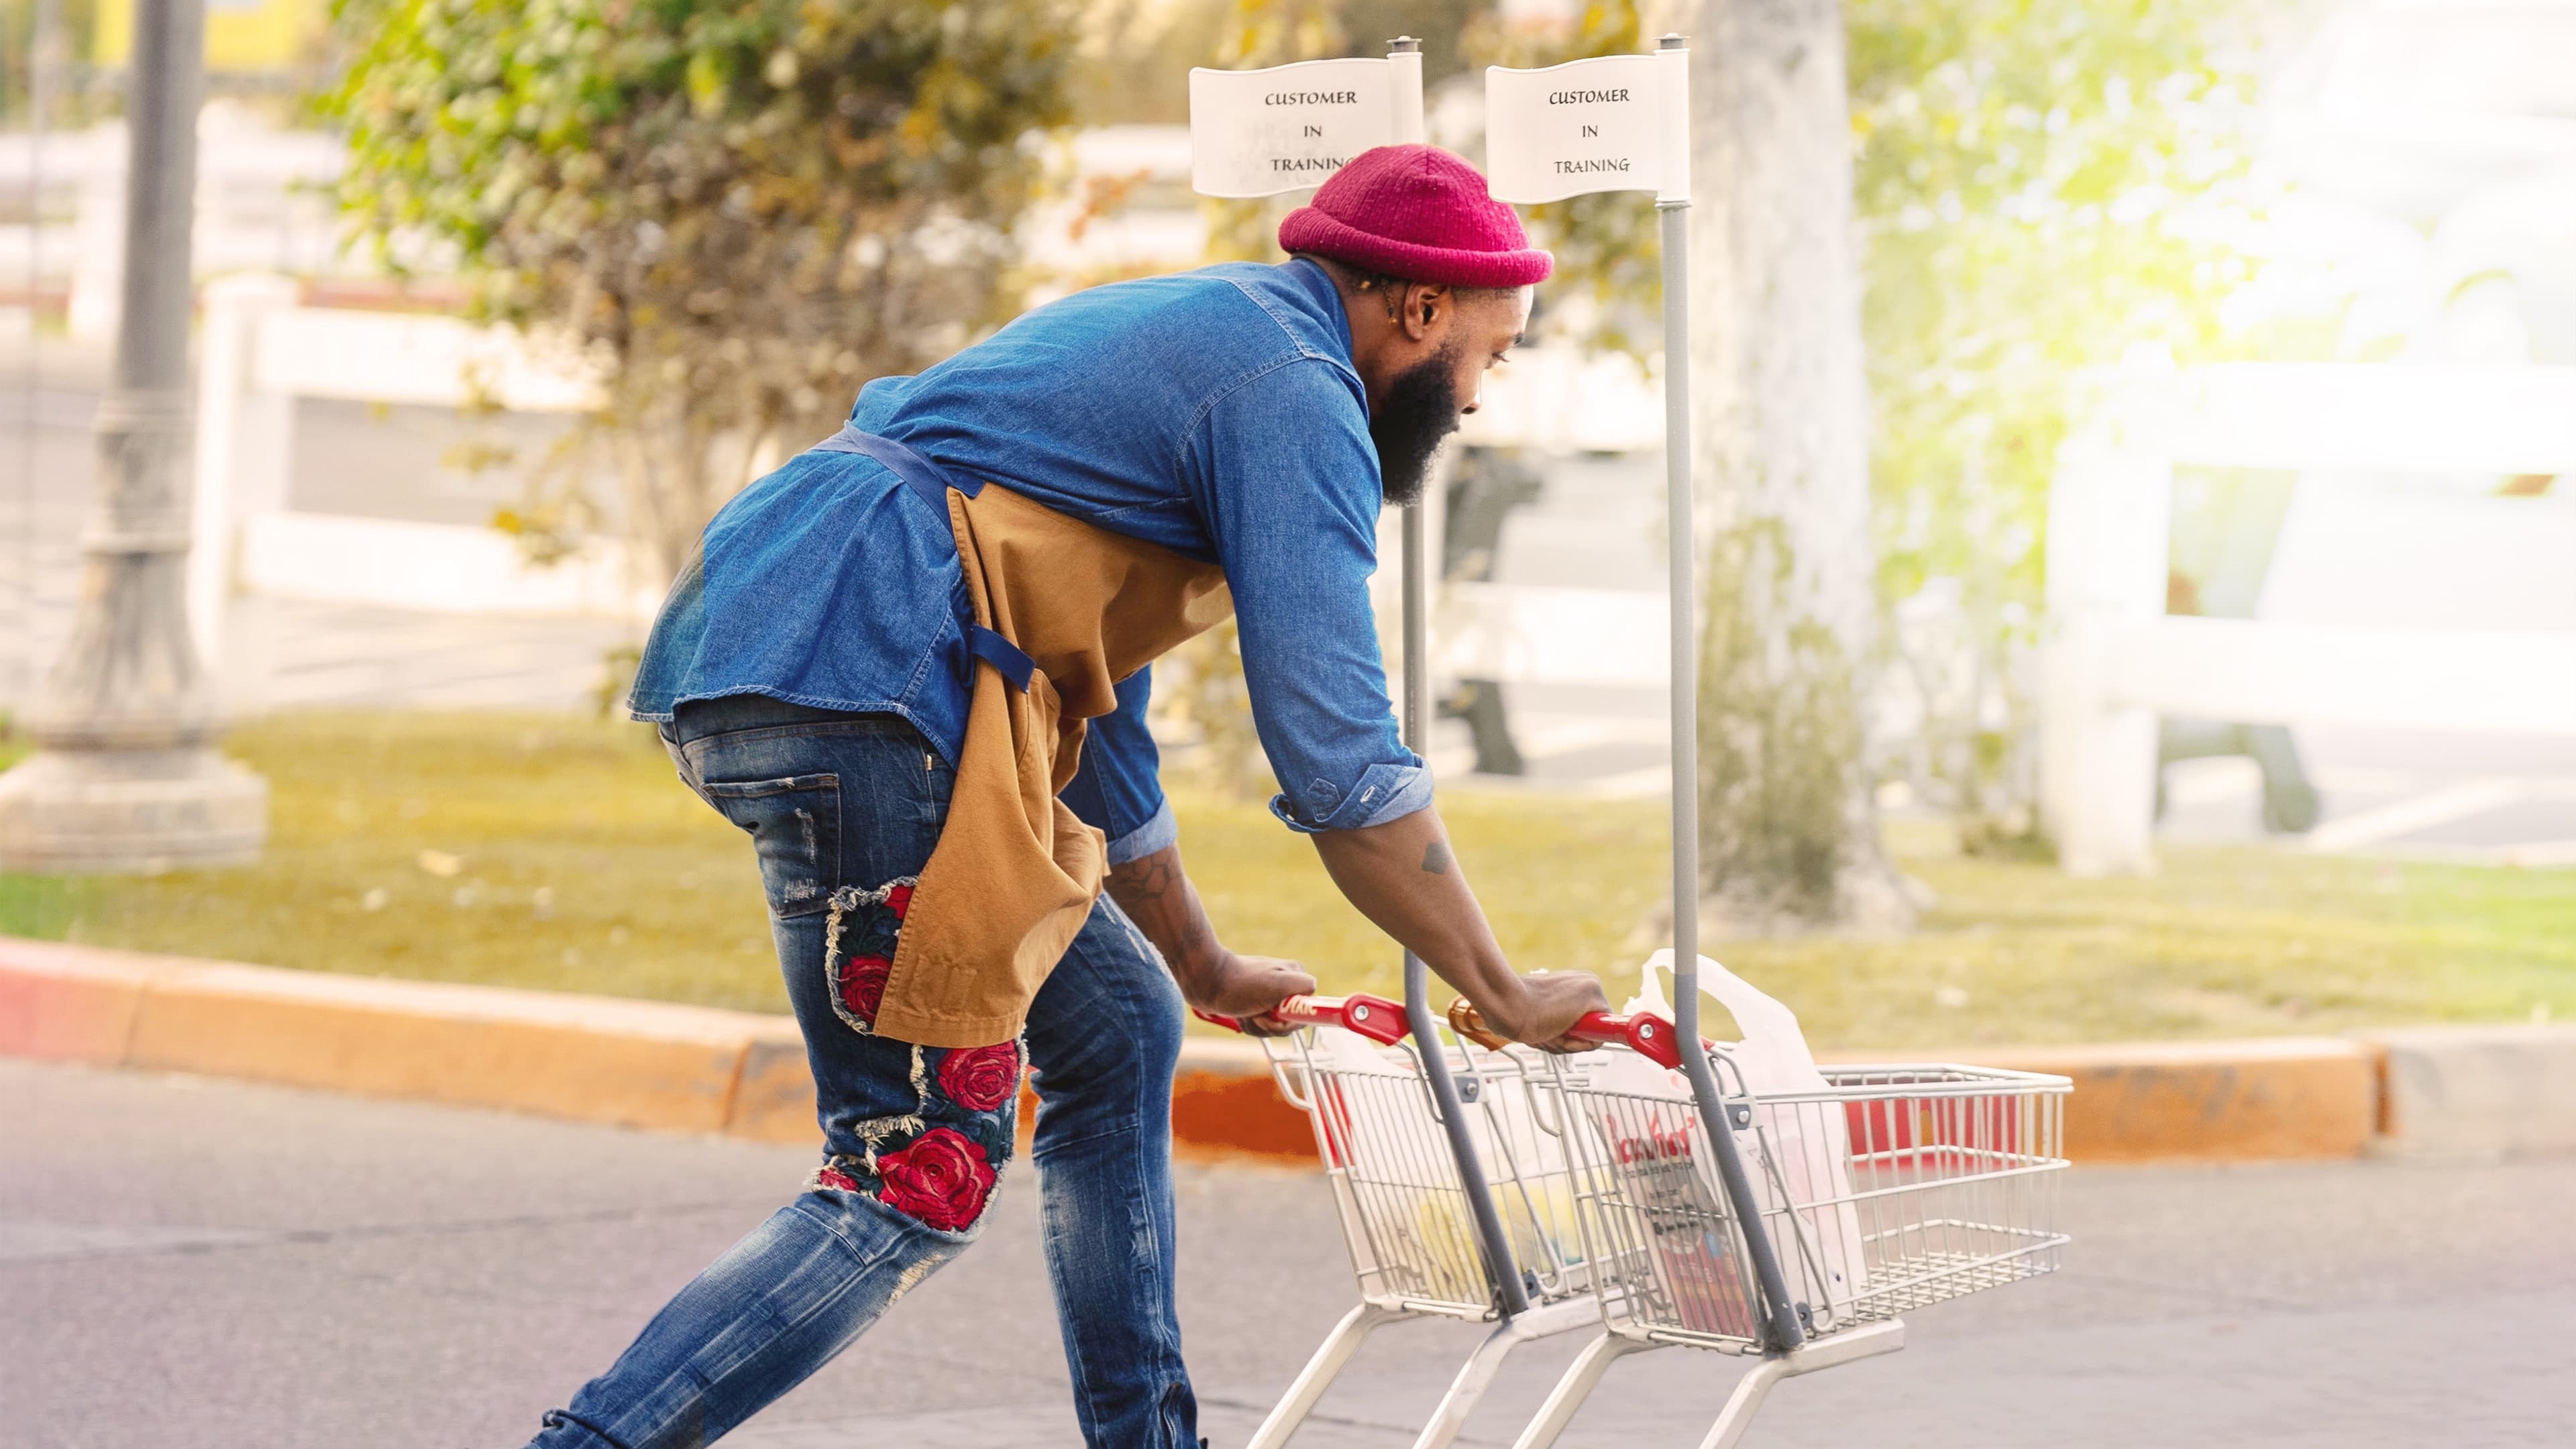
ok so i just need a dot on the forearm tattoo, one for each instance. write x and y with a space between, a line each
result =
1157 896
1143 883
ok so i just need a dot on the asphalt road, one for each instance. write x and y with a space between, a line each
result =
190 1263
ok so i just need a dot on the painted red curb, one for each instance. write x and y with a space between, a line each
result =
2265 1099
595 1059
698 1069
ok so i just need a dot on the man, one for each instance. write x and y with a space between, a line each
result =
912 666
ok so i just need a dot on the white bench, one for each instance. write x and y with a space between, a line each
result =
2114 661
260 352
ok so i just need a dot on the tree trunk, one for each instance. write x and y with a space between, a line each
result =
1788 830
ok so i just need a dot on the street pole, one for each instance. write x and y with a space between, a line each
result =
1782 1328
126 777
1511 1292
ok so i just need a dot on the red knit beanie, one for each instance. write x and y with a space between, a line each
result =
1419 213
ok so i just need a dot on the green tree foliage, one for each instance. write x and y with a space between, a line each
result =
740 209
2024 175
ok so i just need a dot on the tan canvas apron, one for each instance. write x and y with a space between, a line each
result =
1063 611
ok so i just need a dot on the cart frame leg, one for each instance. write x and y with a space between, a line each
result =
1331 1356
1580 1379
1478 1373
1842 1348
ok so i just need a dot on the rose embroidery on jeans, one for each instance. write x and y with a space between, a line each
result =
941 1180
835 1180
862 986
860 938
981 1079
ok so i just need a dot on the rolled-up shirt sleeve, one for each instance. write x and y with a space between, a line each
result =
1118 786
1288 481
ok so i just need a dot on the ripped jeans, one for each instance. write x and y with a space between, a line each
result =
843 811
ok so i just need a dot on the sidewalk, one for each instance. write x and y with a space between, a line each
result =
195 1264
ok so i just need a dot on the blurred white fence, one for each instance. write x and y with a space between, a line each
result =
2115 661
263 202
1537 634
1557 399
261 352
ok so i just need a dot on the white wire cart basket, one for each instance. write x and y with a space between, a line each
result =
1894 1188
1409 1218
1891 1188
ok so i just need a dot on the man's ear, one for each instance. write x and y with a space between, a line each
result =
1424 305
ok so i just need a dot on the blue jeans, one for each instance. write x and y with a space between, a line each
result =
843 811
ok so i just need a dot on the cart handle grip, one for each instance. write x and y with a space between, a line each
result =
1650 1036
1374 1017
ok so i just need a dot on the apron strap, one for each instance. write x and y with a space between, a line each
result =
932 482
1002 654
923 476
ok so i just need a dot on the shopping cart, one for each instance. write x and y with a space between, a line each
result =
1484 1181
1887 1189
1424 1235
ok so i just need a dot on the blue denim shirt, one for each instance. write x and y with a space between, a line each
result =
1215 412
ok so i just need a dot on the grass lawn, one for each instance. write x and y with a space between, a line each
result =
548 852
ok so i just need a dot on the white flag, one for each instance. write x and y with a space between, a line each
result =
1261 132
1588 125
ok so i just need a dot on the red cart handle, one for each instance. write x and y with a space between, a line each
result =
1650 1036
1374 1017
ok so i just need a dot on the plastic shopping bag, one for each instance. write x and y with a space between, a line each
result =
1800 1160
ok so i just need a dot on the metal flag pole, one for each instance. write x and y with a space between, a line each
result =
1672 207
1511 1294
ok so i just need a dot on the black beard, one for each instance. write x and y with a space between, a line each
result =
1418 413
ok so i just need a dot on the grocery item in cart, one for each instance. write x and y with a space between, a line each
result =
1804 1157
1435 1228
1538 1217
1656 1154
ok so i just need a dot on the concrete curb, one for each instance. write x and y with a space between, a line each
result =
2270 1098
696 1069
2479 1091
